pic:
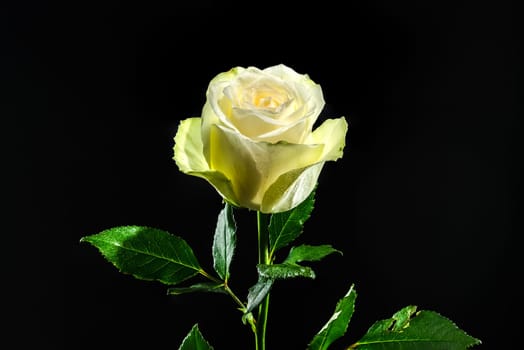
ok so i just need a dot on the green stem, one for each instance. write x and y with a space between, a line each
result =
263 258
226 288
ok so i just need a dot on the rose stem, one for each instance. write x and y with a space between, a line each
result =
263 258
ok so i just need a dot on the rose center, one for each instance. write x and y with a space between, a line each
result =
263 101
269 100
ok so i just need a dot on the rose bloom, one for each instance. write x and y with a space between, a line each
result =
254 142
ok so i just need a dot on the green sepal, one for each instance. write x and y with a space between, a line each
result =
309 253
409 329
198 287
285 271
224 241
285 227
337 325
195 341
146 253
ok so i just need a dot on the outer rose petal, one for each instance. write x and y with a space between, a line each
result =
310 92
291 188
332 133
254 166
190 159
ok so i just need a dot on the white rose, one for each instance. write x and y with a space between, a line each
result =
254 142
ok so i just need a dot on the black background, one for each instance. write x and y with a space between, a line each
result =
424 203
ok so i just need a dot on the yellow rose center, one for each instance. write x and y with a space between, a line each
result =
263 109
269 100
263 100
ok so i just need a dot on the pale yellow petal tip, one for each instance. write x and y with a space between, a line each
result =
332 134
338 150
187 148
345 128
227 75
180 140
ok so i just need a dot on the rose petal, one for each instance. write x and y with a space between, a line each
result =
332 133
188 146
254 166
291 189
294 132
302 85
189 157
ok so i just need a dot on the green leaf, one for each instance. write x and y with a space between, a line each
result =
257 293
287 226
337 325
284 271
198 287
309 253
224 242
146 253
412 330
195 341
